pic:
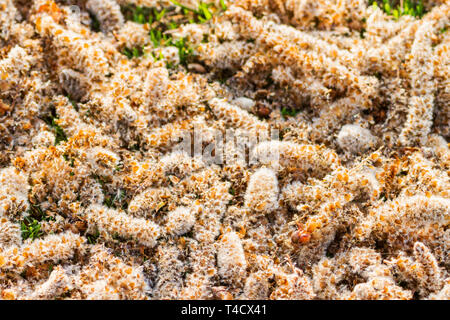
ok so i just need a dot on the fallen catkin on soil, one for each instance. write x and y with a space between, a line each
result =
246 149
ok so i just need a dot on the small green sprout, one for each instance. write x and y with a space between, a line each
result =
111 202
201 14
184 50
159 15
70 160
60 135
51 121
287 112
92 238
119 167
101 180
31 228
396 14
182 6
73 103
116 236
157 34
35 211
108 202
157 58
172 25
405 7
386 7
133 53
223 5
139 15
157 37
362 32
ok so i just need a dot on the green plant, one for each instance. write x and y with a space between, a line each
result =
60 135
405 7
119 167
157 33
159 39
133 53
73 103
203 13
69 159
142 15
92 238
159 15
172 25
31 228
287 112
35 211
116 201
157 58
223 5
182 6
139 15
185 51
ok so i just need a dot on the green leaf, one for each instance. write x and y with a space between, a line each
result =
420 9
203 9
185 9
133 53
60 135
73 103
223 5
172 25
286 112
127 53
155 37
92 238
184 50
396 14
159 15
31 228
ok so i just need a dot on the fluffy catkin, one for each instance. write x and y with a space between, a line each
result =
262 191
231 258
276 150
112 221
